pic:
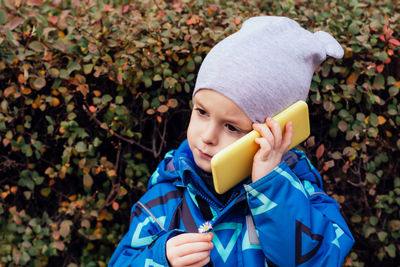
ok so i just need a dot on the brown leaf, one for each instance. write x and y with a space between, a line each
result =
21 79
162 109
59 245
15 22
34 3
39 83
352 78
53 19
320 151
150 111
83 88
9 90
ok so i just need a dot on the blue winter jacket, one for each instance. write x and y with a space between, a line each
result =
283 219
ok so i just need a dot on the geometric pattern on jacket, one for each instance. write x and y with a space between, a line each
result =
283 219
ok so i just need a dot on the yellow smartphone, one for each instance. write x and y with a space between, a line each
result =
233 164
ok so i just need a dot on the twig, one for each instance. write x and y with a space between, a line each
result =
155 2
360 184
130 141
118 156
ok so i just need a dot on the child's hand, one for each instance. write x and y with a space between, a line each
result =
272 147
190 249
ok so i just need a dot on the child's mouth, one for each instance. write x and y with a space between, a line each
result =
205 155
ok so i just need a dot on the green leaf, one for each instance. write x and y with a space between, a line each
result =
10 37
368 231
65 228
45 191
354 29
382 236
393 90
397 182
147 81
379 82
190 66
119 100
167 72
355 218
36 46
87 68
373 120
106 98
372 178
157 78
391 250
373 220
198 59
87 180
3 16
81 147
97 142
39 83
72 66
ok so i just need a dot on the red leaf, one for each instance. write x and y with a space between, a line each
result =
382 38
125 8
394 42
34 3
191 21
108 8
237 21
373 29
379 68
53 20
92 109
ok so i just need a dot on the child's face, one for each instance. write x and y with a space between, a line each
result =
215 123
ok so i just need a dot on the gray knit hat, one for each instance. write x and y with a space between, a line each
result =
267 65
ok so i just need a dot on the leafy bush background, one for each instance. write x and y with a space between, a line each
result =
93 93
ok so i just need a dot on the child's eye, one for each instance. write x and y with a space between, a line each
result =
232 128
201 111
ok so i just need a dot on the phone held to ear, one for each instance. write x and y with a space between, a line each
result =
233 164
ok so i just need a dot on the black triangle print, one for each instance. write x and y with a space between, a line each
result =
301 228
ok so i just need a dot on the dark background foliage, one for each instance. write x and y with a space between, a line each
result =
93 93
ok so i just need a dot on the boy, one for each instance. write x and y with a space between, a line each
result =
280 216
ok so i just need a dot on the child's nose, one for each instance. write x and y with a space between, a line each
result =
210 134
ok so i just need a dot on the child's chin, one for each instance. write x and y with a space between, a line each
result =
205 166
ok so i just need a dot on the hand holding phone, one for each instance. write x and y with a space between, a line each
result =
234 163
273 143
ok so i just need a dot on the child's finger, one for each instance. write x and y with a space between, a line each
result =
264 131
276 131
287 137
265 148
201 263
193 258
191 248
190 237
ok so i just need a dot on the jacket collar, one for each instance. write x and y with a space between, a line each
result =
188 172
